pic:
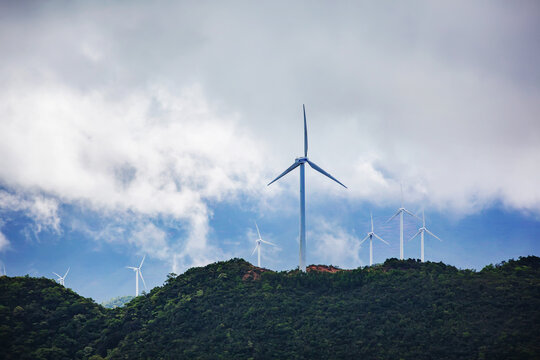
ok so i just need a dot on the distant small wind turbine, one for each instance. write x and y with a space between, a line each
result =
138 273
300 162
370 236
5 272
258 246
61 279
400 212
421 231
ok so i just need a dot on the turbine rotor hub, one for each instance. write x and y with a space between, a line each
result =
301 160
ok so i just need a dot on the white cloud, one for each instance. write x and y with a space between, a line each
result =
4 242
42 210
444 102
173 107
121 156
334 245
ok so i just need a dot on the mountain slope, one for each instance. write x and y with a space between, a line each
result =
400 309
40 319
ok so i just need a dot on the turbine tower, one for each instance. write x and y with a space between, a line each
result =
400 212
370 235
138 273
300 161
258 246
61 279
421 231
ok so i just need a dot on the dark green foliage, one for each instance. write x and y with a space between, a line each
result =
40 319
117 301
232 310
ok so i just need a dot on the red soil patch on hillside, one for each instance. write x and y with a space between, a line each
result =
323 268
254 274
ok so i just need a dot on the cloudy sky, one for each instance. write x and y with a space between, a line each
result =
132 128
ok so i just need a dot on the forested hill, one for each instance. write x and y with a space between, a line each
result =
233 310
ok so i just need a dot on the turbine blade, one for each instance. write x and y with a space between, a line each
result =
258 232
285 172
361 242
253 252
305 132
131 267
67 271
56 274
393 216
371 215
415 235
142 261
432 234
268 242
410 213
140 274
316 167
380 238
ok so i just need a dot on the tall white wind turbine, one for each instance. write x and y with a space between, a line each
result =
299 162
400 212
370 236
421 231
258 243
61 279
138 273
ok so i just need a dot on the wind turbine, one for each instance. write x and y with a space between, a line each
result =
258 246
421 231
400 212
138 273
61 279
300 161
370 235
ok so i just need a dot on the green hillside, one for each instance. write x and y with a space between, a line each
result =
40 319
233 310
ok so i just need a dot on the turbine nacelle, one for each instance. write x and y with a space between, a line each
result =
421 231
299 162
258 244
61 279
370 236
138 273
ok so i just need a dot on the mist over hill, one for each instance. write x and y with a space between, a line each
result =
117 301
234 310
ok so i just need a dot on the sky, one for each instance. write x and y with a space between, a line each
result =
153 128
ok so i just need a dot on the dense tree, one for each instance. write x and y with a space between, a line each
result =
229 310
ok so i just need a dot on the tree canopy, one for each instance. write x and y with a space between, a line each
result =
233 310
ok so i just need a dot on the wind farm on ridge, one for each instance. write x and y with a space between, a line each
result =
300 162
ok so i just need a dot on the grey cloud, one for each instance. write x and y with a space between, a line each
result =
442 96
